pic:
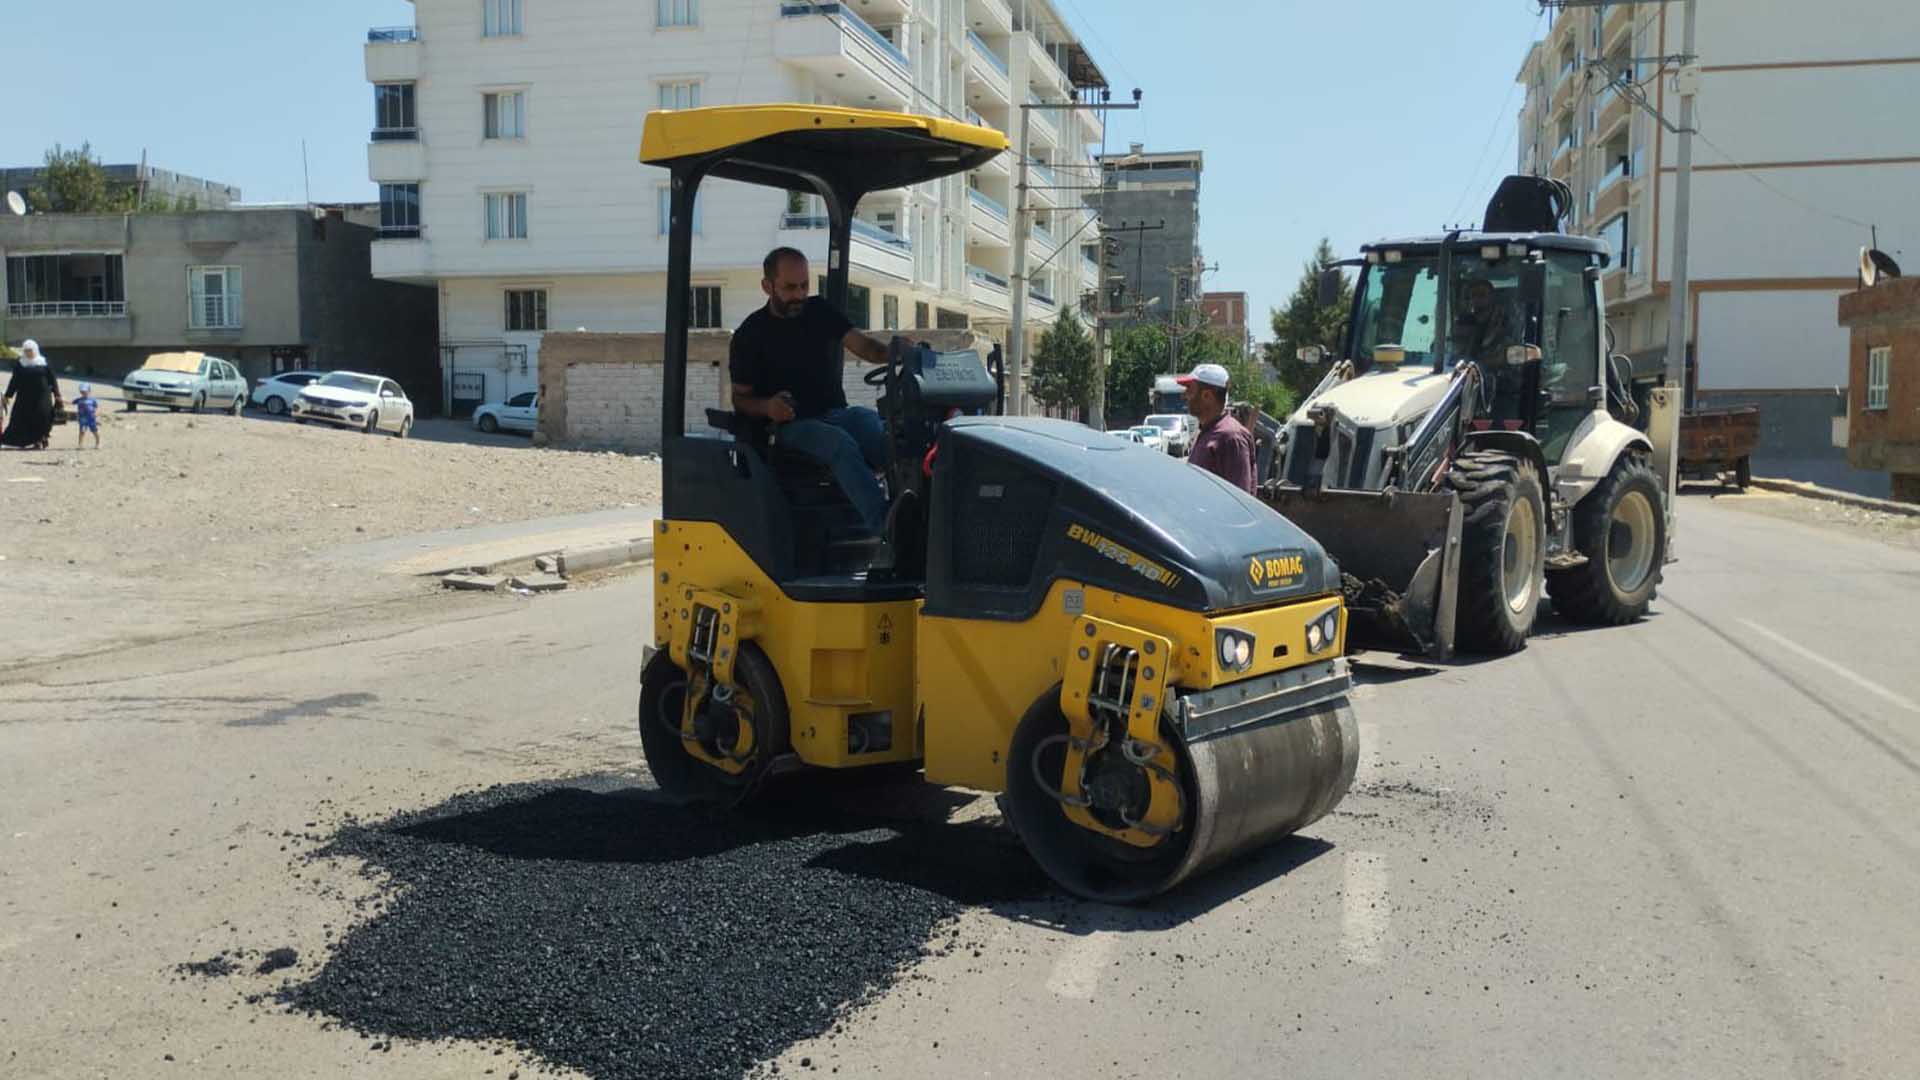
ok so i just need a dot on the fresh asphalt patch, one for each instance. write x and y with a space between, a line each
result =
601 928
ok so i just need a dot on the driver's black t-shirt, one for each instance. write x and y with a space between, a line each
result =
800 355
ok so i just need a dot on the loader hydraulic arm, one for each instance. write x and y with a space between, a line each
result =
1421 461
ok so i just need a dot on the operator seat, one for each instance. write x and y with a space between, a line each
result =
829 536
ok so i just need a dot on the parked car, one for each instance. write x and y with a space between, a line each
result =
1129 435
276 393
1151 436
1177 430
521 412
185 380
351 399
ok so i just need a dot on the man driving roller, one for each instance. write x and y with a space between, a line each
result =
785 366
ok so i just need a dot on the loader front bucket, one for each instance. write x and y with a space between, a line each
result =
1399 557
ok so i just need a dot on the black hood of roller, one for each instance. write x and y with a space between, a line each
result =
1127 517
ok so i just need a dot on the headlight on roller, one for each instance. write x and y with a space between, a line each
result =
1323 630
1235 649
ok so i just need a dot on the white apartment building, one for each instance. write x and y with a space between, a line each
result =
506 144
1806 119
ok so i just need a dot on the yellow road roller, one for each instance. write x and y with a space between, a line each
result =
1142 660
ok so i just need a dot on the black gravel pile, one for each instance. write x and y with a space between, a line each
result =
608 931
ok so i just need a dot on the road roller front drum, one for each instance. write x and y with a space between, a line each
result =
1238 790
716 746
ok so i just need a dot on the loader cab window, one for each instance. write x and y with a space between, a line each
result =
1396 308
1569 347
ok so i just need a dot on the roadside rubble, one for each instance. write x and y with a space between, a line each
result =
551 572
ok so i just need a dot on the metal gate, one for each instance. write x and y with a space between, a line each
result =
469 392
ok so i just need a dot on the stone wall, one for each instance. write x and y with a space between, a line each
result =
605 389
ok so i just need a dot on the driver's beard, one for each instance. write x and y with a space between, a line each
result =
788 309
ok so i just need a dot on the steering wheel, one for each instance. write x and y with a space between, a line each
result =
898 349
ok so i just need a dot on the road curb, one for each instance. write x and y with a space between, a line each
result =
1815 491
580 560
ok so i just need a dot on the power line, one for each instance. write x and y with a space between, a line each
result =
1758 179
1499 119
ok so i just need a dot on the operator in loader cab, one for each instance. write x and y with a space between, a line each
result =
1223 447
1482 334
785 366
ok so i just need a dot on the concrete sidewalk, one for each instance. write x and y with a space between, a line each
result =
491 545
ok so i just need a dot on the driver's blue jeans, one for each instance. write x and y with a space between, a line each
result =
849 441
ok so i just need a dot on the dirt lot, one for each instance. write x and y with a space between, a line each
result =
181 509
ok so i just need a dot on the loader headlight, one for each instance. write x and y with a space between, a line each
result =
1236 650
1323 630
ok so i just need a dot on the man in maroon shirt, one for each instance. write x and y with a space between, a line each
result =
1223 447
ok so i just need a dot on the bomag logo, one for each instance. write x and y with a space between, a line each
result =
1126 557
1277 570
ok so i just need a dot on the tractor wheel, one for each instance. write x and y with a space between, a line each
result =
1619 527
1743 473
1503 549
760 701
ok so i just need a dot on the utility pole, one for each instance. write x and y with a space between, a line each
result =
1017 334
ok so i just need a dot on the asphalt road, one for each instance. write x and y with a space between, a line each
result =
1680 848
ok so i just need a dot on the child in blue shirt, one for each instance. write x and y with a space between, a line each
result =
86 411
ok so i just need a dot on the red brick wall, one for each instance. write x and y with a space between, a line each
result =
1887 314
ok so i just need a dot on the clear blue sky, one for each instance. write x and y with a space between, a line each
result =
1348 118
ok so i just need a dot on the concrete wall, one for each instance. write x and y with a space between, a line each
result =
350 319
605 389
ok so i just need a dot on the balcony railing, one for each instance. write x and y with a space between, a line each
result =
985 276
976 119
847 18
398 232
1090 268
1043 237
987 202
396 134
68 309
1040 294
1621 170
986 52
384 34
1046 175
866 230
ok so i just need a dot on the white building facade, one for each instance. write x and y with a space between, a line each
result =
506 146
1807 139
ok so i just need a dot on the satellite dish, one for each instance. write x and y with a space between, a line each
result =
16 203
1874 265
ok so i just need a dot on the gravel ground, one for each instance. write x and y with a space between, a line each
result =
607 931
180 508
1900 530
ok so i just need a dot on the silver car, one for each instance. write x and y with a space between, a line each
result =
186 380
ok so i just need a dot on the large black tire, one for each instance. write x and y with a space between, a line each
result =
680 774
1743 473
1622 530
373 423
1503 549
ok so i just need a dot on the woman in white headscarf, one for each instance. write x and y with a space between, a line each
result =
29 401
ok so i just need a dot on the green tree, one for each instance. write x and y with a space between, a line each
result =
1135 354
1063 365
1305 321
76 183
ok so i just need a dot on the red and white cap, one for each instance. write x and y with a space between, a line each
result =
1206 375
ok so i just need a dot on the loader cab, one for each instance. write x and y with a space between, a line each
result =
1499 300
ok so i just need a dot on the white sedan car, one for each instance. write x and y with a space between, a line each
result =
1152 436
277 393
348 398
1176 429
521 412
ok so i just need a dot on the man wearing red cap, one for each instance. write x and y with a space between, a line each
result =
1223 447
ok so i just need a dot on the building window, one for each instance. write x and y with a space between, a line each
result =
213 297
666 210
400 210
507 216
1879 360
393 116
678 13
500 18
526 309
706 307
890 313
922 316
74 285
680 95
505 114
